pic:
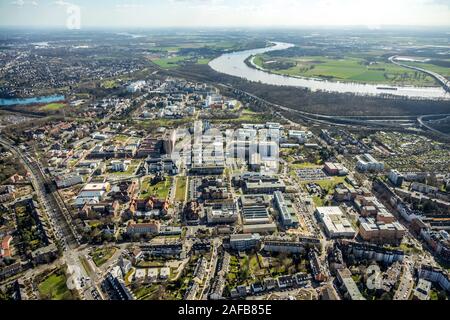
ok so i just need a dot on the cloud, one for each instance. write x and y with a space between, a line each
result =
19 3
143 13
23 3
63 3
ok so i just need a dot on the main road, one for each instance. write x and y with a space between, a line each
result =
441 79
55 208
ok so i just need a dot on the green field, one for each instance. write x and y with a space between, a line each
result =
432 67
130 170
160 190
109 84
180 193
170 63
54 288
52 107
203 61
102 255
347 69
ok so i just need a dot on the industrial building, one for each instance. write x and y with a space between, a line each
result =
336 225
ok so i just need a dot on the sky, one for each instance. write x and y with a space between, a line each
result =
223 13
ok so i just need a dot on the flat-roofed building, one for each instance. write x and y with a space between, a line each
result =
66 181
255 215
264 187
334 169
92 193
221 213
284 246
396 178
288 216
367 162
161 247
422 291
143 228
336 225
243 242
377 231
260 228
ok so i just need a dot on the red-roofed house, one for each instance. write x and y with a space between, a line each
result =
6 250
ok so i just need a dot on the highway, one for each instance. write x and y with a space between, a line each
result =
441 79
423 123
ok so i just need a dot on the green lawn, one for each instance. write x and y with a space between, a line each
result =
150 264
160 190
180 193
147 292
102 255
305 165
347 69
54 288
331 183
52 107
85 264
170 63
121 138
109 84
203 61
130 170
318 202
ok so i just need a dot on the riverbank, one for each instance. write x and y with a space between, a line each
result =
234 64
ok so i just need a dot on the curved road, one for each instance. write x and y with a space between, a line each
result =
422 123
441 79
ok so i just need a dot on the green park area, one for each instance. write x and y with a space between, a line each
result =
101 255
121 139
156 292
109 84
180 193
130 170
160 189
52 107
347 69
203 61
170 63
242 267
328 186
54 287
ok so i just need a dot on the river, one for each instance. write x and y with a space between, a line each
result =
234 64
